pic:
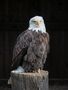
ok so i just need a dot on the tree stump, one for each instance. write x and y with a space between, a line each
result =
30 81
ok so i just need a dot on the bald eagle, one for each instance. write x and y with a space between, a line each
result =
31 47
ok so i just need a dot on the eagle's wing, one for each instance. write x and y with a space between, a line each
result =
47 49
20 48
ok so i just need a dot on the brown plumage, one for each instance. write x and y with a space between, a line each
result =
30 50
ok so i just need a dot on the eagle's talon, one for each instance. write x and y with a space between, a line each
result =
38 70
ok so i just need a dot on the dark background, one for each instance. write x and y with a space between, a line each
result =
14 17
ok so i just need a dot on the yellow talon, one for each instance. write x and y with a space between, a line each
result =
38 70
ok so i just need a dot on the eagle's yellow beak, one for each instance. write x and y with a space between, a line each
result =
37 23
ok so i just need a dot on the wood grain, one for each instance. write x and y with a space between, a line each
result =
30 81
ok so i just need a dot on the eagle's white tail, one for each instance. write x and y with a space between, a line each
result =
18 70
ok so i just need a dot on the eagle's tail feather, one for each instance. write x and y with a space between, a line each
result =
18 70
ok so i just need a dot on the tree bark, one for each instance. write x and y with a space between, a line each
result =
30 81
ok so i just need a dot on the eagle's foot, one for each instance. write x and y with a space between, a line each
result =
38 70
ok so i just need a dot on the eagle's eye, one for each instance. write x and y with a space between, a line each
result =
34 21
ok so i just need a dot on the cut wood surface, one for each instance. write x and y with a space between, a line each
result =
30 81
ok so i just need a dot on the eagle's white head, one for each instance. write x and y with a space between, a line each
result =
37 23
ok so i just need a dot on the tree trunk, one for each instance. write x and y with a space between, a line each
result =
30 81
